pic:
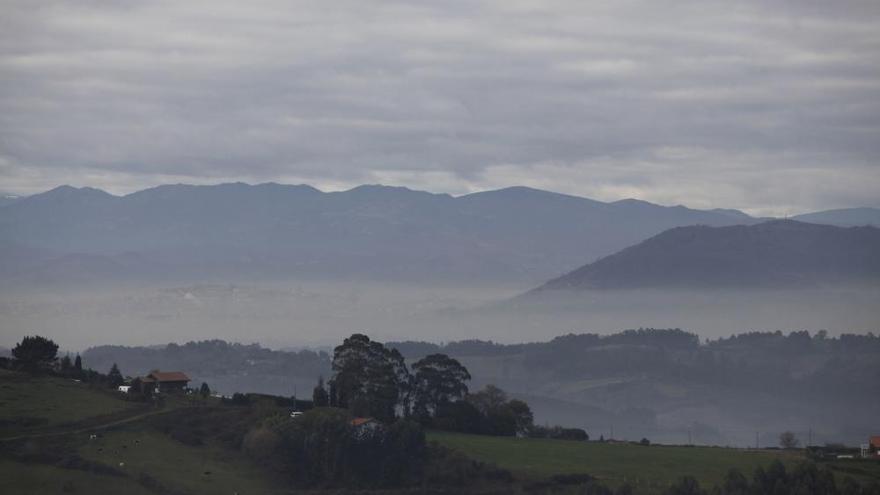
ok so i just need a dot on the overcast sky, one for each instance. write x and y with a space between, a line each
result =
771 107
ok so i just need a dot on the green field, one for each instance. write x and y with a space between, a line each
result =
28 403
206 469
614 463
21 478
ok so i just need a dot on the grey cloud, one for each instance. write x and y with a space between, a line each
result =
774 98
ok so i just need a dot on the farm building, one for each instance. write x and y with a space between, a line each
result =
166 381
365 427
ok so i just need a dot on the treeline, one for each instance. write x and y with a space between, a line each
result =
673 338
669 339
211 358
794 365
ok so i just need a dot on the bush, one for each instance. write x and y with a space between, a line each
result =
559 433
322 448
450 468
261 443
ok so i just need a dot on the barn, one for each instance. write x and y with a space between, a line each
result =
166 381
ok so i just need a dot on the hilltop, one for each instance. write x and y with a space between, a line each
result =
777 253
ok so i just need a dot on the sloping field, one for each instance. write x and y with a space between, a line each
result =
615 463
32 403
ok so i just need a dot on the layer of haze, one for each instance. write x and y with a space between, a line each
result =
321 314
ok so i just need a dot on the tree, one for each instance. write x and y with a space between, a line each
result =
78 363
66 364
204 390
35 353
320 397
369 375
787 440
114 376
522 414
438 379
491 397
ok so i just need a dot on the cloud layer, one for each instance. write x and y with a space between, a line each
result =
772 107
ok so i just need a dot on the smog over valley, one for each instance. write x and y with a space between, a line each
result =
468 247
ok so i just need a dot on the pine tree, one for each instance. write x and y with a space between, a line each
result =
204 390
114 377
320 398
78 363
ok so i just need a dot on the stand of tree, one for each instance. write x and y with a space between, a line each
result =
372 380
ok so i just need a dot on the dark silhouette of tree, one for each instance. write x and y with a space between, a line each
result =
438 379
735 483
460 415
320 398
370 376
204 390
787 440
35 353
522 415
686 485
66 364
78 363
491 397
114 376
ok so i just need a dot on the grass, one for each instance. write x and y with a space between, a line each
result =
29 402
41 479
640 466
142 452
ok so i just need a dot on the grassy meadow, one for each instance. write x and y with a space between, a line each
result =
35 402
615 463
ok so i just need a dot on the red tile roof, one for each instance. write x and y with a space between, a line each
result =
875 441
361 421
167 376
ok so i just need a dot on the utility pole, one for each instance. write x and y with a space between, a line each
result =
757 444
810 441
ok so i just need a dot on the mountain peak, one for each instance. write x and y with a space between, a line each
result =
68 193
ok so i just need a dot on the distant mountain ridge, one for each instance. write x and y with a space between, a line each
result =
515 234
845 217
777 253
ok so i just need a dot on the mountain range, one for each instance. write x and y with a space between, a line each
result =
514 235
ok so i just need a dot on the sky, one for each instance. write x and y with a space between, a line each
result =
772 107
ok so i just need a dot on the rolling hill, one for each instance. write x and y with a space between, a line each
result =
777 254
